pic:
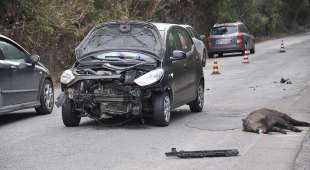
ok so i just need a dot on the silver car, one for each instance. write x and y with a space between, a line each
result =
198 41
229 38
24 81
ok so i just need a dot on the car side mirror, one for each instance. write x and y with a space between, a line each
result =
178 55
202 37
34 59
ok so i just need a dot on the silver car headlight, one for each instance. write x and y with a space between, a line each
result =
67 77
150 77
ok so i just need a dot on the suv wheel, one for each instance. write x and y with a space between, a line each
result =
252 51
197 104
161 109
70 117
46 98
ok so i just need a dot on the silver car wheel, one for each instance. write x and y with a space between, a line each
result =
48 96
167 108
200 96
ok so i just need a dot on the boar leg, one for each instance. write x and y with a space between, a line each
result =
282 123
276 129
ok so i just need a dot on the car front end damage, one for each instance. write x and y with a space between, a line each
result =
108 91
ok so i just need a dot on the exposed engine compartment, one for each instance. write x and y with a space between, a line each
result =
105 93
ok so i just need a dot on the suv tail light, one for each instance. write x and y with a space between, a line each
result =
239 38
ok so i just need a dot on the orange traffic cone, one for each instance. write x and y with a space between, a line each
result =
282 49
215 66
245 57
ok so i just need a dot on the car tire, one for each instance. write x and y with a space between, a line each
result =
252 51
204 58
161 109
210 55
70 117
197 104
46 98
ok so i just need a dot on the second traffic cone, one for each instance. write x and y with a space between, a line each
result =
215 67
246 57
282 49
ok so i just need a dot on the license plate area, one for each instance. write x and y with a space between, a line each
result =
223 41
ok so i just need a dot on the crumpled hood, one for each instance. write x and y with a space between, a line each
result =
129 35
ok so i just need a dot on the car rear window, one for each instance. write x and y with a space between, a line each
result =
224 30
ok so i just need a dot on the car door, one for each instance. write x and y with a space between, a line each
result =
192 60
25 77
5 81
176 69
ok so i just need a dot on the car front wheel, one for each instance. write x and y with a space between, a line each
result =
46 98
70 117
161 109
197 104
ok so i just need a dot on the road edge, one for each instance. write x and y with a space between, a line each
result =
302 160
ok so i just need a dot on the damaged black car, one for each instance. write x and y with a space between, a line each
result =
132 69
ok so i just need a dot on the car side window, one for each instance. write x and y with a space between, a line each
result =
243 28
172 42
10 52
185 41
246 29
240 28
191 32
195 33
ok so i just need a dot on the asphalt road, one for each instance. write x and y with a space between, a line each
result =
33 142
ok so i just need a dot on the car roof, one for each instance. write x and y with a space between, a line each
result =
12 41
163 26
185 26
228 24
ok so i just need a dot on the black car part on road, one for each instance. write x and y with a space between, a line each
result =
202 154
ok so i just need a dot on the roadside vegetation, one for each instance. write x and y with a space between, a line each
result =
52 29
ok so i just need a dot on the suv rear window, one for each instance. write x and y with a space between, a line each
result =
224 30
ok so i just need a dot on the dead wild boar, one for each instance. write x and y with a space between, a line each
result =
268 120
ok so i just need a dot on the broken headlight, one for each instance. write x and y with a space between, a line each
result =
66 77
150 77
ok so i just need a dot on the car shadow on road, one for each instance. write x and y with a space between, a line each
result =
136 123
15 117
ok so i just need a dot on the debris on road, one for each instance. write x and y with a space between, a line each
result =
265 120
282 49
202 154
253 88
285 81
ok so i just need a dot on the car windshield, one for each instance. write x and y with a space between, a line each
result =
224 30
112 56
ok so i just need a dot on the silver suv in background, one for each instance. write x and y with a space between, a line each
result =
229 38
198 41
